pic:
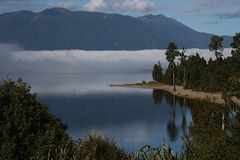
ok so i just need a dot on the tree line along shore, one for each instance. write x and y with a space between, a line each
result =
215 81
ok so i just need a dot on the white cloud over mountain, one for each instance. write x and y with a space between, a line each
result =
95 5
63 4
125 5
134 5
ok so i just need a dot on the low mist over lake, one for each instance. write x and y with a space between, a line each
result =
14 60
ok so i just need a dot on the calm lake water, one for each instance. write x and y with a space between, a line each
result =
131 117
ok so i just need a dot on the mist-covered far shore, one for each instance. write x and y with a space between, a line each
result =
15 60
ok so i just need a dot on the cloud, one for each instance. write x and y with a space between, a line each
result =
66 5
134 5
126 5
229 15
95 5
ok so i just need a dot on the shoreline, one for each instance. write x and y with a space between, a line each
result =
215 98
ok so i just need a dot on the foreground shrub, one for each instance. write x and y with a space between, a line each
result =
27 129
163 152
95 147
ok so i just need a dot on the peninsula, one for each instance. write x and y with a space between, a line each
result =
181 92
215 81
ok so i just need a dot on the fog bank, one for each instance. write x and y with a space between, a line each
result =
14 60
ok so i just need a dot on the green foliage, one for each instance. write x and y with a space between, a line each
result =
163 152
27 129
236 46
216 45
168 76
214 132
179 74
220 75
157 73
181 69
171 52
194 68
95 147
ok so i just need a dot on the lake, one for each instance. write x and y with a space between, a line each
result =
131 117
75 86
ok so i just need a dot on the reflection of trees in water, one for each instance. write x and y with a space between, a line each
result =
184 118
172 101
157 96
214 132
172 130
171 126
184 123
209 139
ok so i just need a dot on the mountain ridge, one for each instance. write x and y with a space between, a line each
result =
60 29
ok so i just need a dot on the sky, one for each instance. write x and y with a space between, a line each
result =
220 17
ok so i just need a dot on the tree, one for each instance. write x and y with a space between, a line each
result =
157 74
183 59
216 45
171 54
27 129
236 46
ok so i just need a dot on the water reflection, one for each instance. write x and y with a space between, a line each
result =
78 84
209 139
135 117
132 119
86 103
214 132
173 101
157 96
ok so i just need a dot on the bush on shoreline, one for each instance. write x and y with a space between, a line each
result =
27 129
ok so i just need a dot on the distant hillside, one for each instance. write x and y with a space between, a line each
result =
58 29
